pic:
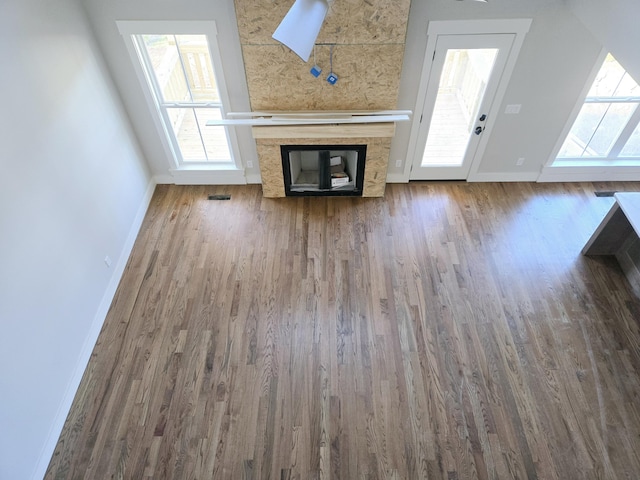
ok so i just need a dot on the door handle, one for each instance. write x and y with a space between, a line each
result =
478 130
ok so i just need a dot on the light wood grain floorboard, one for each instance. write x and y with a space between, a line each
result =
445 331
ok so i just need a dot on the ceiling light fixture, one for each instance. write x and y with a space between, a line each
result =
301 25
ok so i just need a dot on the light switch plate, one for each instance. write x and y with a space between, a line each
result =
512 109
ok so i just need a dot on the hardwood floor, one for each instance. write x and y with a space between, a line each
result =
445 331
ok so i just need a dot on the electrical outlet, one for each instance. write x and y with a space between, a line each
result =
107 261
520 161
398 163
249 164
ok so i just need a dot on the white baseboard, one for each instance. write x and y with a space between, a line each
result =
589 174
216 177
477 177
91 338
253 178
163 179
504 177
397 178
208 177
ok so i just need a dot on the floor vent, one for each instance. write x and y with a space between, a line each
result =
219 197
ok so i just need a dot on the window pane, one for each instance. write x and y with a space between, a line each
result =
194 50
583 129
215 138
596 129
167 69
628 87
187 133
615 119
608 78
632 147
182 67
197 141
613 81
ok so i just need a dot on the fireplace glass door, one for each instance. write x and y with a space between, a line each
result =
323 169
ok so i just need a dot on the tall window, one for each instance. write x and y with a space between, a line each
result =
187 88
608 125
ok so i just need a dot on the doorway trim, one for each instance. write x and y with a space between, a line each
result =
518 27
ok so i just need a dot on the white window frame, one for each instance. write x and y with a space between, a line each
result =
610 168
130 29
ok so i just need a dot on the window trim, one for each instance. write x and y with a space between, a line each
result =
130 28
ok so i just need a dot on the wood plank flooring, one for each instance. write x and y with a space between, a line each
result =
446 331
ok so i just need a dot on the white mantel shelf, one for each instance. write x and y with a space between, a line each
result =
312 118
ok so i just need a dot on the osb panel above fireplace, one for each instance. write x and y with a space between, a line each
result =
368 78
347 22
369 39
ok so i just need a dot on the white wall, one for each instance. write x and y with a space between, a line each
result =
103 16
557 55
73 187
615 24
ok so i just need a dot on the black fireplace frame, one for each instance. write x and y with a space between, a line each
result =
356 191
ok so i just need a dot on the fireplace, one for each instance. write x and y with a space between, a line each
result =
373 138
327 170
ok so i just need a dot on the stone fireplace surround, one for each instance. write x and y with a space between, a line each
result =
376 136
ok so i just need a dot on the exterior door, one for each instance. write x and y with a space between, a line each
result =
463 80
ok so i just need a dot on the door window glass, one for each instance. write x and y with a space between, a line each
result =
462 85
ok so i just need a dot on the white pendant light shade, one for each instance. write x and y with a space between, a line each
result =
301 25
